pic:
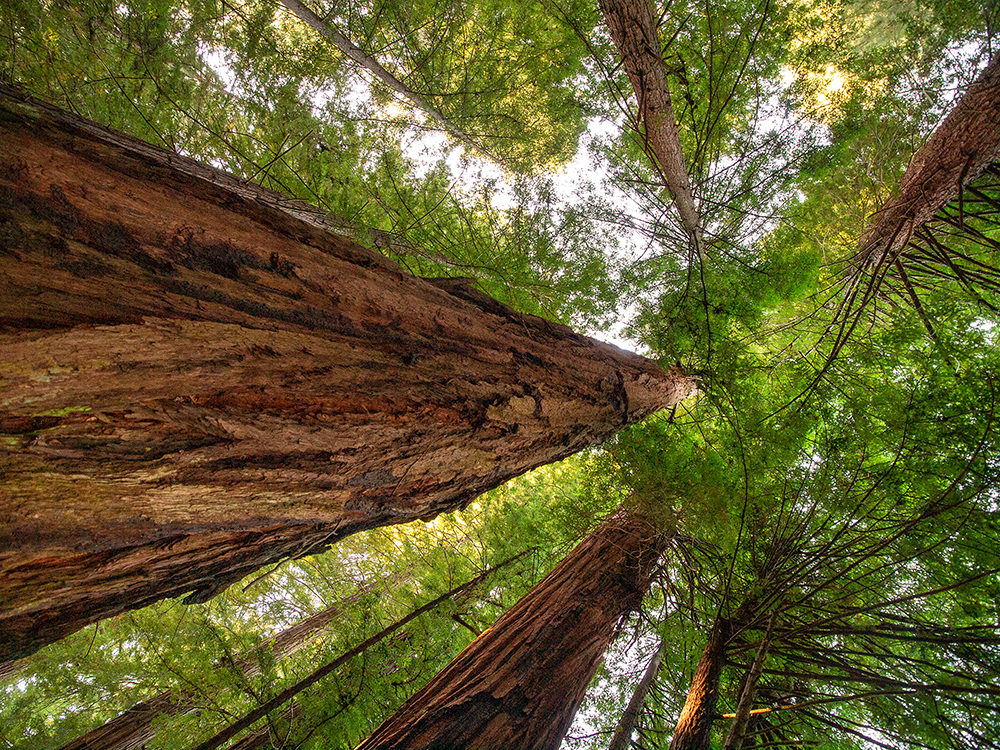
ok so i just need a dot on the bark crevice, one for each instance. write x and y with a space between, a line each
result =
199 379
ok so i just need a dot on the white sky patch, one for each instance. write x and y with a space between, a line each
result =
216 60
623 665
986 327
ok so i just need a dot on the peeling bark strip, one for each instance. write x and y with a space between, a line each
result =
196 380
519 684
633 31
959 151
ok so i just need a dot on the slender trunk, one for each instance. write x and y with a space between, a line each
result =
265 736
290 692
519 684
373 66
134 727
634 33
276 733
199 380
622 738
959 151
737 730
694 726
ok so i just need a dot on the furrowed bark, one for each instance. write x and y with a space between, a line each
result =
519 684
958 152
132 729
633 31
11 669
197 379
622 738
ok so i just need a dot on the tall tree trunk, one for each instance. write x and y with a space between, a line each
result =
265 736
11 669
622 738
134 727
199 380
633 30
695 723
373 66
519 684
961 148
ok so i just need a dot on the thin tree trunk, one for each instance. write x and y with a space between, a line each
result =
519 684
199 380
264 737
290 692
959 151
737 730
622 738
634 33
276 733
694 726
134 727
373 66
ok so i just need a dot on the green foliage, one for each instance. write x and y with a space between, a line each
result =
853 494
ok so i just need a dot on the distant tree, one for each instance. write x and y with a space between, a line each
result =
137 725
290 692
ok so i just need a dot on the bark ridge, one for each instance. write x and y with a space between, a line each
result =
197 379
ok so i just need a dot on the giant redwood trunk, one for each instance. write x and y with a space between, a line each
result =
519 684
197 379
958 152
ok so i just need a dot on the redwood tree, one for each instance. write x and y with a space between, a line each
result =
695 723
519 684
199 379
961 150
633 29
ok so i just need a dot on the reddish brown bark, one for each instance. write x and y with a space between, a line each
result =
633 30
519 684
694 726
11 669
132 729
198 379
959 151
